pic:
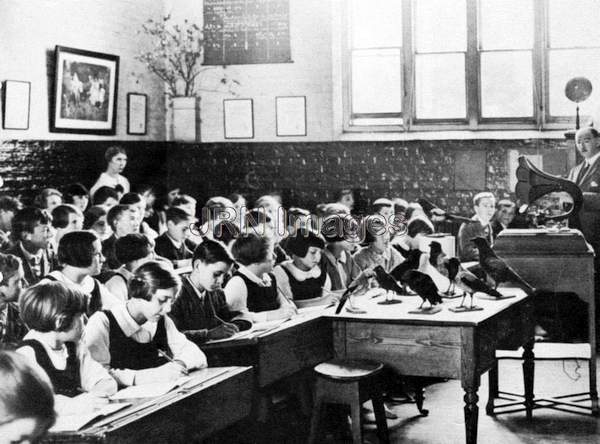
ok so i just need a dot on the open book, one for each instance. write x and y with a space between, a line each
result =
76 421
150 390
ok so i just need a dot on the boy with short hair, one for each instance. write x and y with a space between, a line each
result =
122 221
484 205
171 244
32 234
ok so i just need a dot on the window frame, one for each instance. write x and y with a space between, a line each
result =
540 120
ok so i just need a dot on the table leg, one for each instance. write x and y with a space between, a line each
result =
528 375
493 389
471 409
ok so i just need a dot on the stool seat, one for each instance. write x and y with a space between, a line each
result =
348 369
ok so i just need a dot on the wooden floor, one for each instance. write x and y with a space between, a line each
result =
445 423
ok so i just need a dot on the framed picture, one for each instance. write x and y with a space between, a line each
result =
238 118
290 116
137 106
85 92
15 105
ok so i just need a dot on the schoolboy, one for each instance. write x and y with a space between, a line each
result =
340 233
8 208
171 244
32 234
484 205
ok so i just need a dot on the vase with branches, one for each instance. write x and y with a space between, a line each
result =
175 56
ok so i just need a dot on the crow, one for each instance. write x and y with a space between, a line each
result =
403 251
437 258
361 280
411 263
470 284
452 266
424 286
498 270
386 281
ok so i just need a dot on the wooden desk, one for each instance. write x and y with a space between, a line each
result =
296 345
449 345
178 416
559 271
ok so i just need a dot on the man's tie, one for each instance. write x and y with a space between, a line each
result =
584 169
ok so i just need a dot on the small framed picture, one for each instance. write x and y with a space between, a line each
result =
85 92
238 118
15 104
290 115
137 108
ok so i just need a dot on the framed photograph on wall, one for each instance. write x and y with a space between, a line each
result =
16 97
238 118
137 107
290 116
85 92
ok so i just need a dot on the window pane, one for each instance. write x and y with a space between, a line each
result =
506 84
506 24
376 23
376 81
565 64
440 86
574 23
441 25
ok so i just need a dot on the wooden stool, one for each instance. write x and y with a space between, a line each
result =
350 382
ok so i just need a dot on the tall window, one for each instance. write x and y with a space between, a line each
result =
376 58
573 50
469 64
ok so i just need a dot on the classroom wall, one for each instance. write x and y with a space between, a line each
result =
31 29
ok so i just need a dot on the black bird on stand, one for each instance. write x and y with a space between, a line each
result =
437 258
389 284
411 263
471 284
452 266
498 270
425 288
361 280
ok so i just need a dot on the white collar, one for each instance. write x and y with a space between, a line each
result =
87 285
126 321
592 159
301 275
174 242
265 281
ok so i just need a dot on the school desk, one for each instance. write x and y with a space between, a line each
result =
446 344
212 400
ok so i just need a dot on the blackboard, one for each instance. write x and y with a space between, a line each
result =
246 31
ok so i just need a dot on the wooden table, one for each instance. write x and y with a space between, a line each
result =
295 345
179 416
446 344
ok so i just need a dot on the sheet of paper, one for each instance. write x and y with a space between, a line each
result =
149 390
239 335
74 422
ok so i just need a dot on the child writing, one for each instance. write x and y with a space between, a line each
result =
302 278
54 314
201 311
253 288
133 339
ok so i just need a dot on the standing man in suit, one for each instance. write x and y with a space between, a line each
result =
587 176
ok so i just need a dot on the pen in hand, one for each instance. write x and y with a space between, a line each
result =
163 354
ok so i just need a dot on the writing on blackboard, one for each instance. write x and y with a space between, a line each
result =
246 31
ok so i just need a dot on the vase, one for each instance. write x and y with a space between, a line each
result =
185 119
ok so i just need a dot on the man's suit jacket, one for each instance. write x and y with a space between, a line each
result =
589 216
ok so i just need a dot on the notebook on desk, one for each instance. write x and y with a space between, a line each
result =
150 390
77 421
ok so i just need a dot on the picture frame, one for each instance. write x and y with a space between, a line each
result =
85 92
238 118
290 116
16 99
137 113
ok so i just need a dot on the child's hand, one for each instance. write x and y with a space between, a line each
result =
223 331
288 311
170 371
